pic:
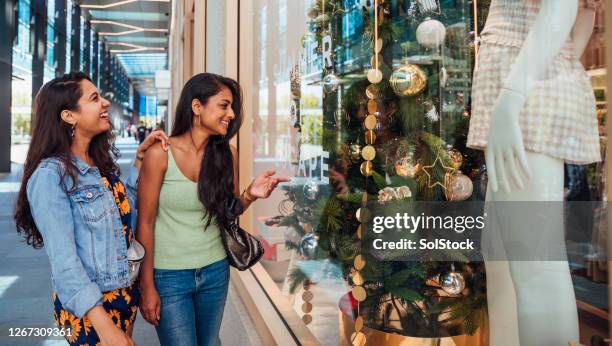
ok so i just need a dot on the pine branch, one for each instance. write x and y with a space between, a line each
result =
296 278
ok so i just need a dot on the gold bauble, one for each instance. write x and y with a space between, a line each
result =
459 187
355 152
408 80
406 167
456 158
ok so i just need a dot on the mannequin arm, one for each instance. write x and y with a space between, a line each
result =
505 150
583 28
546 37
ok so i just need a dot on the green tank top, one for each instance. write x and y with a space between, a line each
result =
181 239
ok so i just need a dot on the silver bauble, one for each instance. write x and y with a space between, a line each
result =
431 33
355 152
311 190
452 283
330 83
308 245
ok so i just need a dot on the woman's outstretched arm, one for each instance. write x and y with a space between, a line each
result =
261 187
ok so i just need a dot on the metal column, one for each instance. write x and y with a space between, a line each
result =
75 37
60 36
38 34
8 23
86 48
95 66
105 82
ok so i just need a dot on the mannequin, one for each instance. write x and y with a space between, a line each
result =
530 302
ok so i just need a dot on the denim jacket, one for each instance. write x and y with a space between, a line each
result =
82 231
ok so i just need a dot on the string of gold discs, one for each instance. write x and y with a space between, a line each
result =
368 154
307 297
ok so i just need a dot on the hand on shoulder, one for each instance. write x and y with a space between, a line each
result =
156 156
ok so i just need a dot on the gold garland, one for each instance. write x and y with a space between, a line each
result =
368 153
307 298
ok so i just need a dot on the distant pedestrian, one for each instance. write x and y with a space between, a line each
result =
135 133
142 132
128 130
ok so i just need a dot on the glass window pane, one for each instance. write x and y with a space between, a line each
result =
358 122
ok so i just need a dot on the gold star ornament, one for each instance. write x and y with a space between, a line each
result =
429 172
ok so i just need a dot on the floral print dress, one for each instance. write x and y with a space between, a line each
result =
120 304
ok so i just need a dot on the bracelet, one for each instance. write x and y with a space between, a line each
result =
139 158
247 196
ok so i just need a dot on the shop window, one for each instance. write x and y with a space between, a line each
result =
368 105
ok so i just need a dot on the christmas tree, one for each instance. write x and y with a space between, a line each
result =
395 135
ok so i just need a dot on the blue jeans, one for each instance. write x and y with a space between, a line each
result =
192 303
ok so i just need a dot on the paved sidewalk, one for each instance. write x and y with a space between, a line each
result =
25 285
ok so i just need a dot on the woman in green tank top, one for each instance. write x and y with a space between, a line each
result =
182 193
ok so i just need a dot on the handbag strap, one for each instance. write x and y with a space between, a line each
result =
234 208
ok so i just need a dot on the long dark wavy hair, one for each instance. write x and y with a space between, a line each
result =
216 180
51 137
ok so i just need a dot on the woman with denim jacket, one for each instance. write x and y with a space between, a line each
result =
72 199
185 274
